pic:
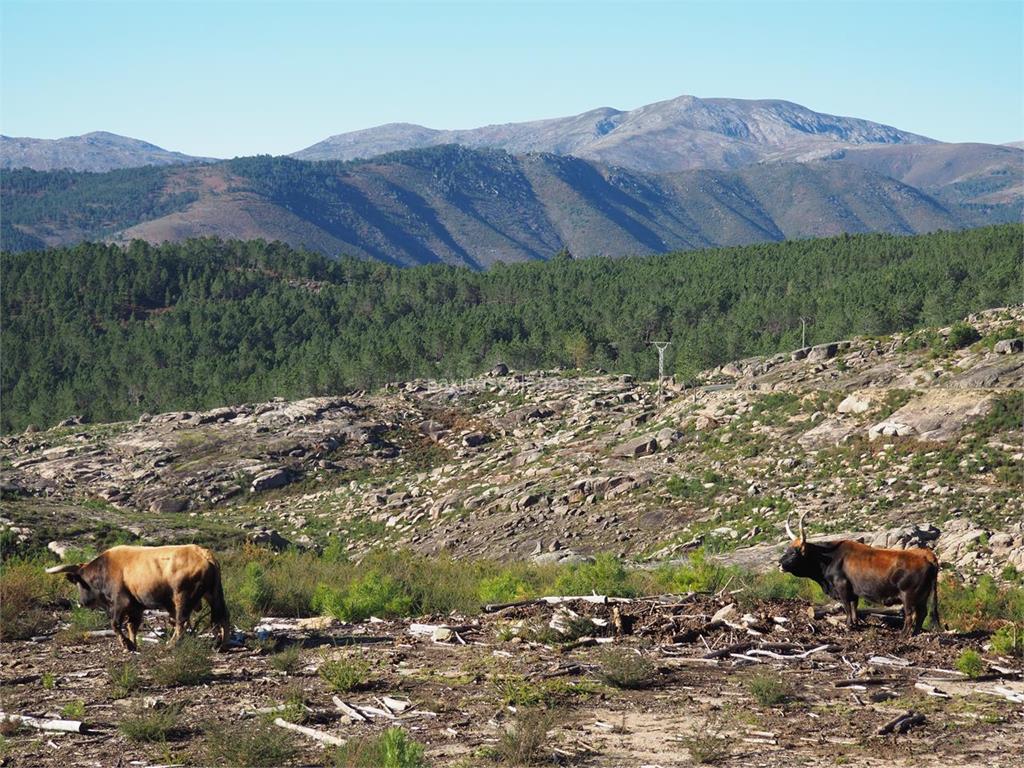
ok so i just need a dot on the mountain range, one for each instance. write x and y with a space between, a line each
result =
681 174
96 151
674 135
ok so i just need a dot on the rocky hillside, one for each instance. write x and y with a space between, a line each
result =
673 135
902 439
97 151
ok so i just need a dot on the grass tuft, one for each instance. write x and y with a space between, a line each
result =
152 724
625 669
391 749
124 678
188 662
346 674
525 741
970 663
253 744
769 691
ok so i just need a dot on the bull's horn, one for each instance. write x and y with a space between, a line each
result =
66 568
789 531
800 526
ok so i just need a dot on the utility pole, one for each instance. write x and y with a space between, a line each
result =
661 346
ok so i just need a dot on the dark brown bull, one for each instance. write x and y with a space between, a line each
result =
849 570
125 581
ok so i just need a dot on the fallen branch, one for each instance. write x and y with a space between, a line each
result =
352 712
931 690
1007 693
324 738
67 726
558 600
866 681
902 724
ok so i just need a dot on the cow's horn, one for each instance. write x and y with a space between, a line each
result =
66 568
789 531
800 526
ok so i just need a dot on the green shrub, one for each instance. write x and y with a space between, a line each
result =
252 744
287 660
980 606
73 710
605 576
962 335
152 724
709 748
505 587
768 691
970 663
26 594
1008 640
625 669
525 741
517 691
346 674
188 662
698 574
124 678
391 749
254 591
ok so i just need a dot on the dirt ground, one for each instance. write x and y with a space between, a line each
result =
835 687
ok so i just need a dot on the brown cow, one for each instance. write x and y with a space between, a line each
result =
126 580
849 570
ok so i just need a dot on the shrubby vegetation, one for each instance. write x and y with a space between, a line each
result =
111 332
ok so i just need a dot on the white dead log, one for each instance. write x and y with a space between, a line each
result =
1009 694
888 661
864 682
931 690
376 711
352 712
396 705
44 724
323 738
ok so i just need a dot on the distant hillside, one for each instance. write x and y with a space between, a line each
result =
110 333
478 207
97 151
675 135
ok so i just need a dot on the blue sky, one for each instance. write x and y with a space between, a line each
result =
226 78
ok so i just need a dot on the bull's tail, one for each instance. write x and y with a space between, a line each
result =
935 600
219 618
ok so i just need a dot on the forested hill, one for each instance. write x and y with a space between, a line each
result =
111 332
474 208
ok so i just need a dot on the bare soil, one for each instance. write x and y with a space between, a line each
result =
460 690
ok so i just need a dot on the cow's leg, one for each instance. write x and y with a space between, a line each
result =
844 591
180 616
134 622
118 614
920 613
909 614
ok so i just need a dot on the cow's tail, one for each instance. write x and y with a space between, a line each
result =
219 618
935 599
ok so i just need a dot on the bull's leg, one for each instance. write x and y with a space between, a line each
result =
844 591
118 615
134 622
920 614
180 616
909 615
